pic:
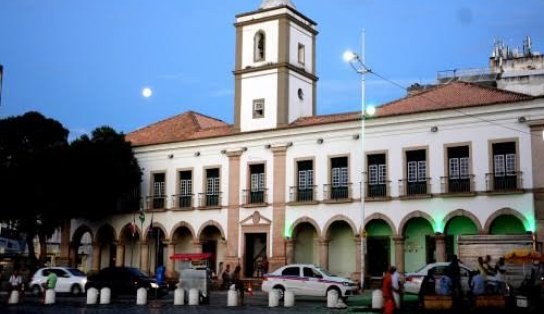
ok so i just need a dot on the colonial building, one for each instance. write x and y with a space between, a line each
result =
284 183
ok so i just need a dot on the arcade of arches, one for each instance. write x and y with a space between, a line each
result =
413 245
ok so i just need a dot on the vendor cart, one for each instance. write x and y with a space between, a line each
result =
194 272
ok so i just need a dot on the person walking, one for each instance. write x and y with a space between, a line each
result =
238 284
15 283
387 292
226 277
397 287
454 272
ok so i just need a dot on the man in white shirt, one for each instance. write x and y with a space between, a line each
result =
395 278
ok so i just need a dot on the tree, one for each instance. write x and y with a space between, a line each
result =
32 158
106 175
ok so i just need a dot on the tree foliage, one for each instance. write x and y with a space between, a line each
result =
44 180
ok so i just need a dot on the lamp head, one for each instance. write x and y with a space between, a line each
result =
349 56
371 110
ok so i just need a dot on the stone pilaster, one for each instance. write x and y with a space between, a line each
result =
357 274
171 249
96 257
324 253
197 246
144 256
278 206
399 253
120 255
290 251
233 211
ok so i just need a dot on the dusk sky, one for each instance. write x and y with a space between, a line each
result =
85 62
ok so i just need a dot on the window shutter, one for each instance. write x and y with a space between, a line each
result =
372 174
464 165
412 171
422 171
382 174
511 164
499 165
454 168
302 180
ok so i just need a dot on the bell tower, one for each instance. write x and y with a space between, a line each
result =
275 80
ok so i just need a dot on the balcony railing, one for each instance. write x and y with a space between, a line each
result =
457 185
377 190
414 189
209 200
504 183
301 195
155 202
250 197
337 192
182 200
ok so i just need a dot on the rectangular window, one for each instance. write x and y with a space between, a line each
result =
339 172
185 183
212 179
416 166
505 166
159 185
258 108
458 162
301 54
305 175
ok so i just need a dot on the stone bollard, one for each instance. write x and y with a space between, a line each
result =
232 297
92 296
332 298
14 297
194 296
105 295
341 304
289 298
179 296
49 296
274 298
377 299
141 296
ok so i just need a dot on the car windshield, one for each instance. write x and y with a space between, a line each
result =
326 272
76 272
138 273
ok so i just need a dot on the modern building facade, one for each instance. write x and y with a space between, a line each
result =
284 183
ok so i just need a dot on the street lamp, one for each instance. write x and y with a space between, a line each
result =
357 63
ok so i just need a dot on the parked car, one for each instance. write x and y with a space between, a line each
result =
69 280
307 280
126 280
413 281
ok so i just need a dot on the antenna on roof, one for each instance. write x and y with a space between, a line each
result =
527 47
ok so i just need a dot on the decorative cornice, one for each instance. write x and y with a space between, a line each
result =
273 66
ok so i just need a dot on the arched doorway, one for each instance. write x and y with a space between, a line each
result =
82 248
183 241
419 244
305 242
210 238
507 224
130 239
379 247
341 244
459 225
105 238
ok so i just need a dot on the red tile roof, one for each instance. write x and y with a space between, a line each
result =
456 95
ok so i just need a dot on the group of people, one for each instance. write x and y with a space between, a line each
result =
16 283
233 278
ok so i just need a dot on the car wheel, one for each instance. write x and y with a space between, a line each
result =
76 290
36 290
335 289
282 291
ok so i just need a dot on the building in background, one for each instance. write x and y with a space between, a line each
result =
284 183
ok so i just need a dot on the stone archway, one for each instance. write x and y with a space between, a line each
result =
81 250
342 241
379 246
211 240
105 249
515 225
305 241
128 248
459 222
419 245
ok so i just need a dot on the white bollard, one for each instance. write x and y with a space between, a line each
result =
274 298
92 296
105 295
193 296
141 296
288 298
14 297
232 297
179 296
341 304
49 296
377 299
332 298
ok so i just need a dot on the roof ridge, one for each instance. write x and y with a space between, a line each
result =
194 115
162 121
496 89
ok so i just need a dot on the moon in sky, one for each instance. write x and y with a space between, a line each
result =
147 92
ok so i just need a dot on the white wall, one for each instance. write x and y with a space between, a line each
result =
256 86
299 35
271 30
300 108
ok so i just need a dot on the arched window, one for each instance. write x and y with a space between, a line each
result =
259 42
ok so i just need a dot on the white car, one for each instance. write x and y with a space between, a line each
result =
69 280
307 280
413 280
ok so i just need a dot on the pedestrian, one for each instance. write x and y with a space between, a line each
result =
387 292
428 286
487 266
500 276
265 264
226 277
444 286
477 284
50 282
481 267
159 274
238 284
15 283
454 272
397 287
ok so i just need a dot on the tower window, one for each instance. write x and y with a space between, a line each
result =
300 93
301 54
258 108
260 45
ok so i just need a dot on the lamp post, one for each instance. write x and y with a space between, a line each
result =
357 63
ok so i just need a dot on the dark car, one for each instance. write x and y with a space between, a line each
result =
125 280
